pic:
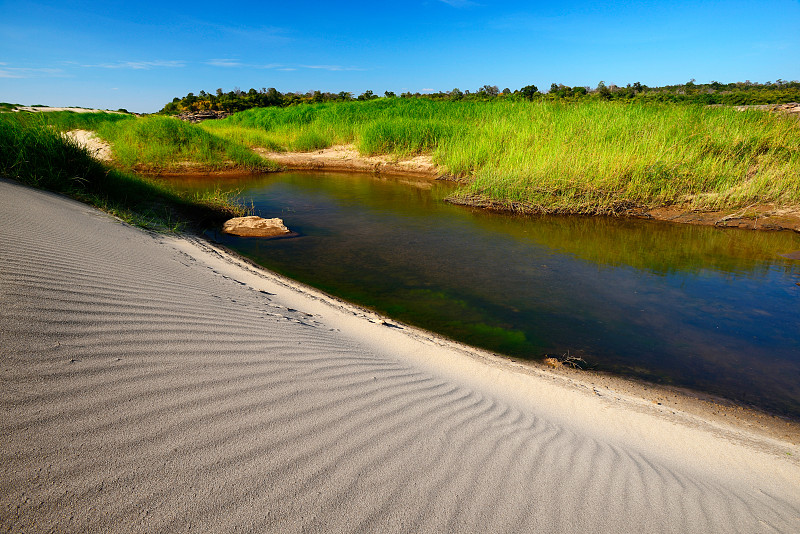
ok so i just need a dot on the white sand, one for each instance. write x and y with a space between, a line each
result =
41 109
98 148
153 384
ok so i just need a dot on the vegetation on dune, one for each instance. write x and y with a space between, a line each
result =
34 153
154 144
69 120
584 157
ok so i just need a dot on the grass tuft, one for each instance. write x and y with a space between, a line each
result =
34 153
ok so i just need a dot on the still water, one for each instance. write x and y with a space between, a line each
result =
711 309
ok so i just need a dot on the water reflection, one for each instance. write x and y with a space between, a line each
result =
693 306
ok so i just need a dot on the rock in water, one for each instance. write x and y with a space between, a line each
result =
253 226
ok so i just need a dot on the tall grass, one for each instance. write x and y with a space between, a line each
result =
70 120
155 144
34 153
584 157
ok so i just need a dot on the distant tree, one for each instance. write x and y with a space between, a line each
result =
529 91
506 91
272 97
603 91
219 92
456 94
389 94
345 95
489 90
367 95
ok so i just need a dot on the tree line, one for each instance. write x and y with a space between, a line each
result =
736 93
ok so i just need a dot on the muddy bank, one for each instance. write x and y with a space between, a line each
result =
755 217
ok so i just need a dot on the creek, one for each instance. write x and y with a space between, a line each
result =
714 310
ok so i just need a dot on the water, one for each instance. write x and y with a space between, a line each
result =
710 309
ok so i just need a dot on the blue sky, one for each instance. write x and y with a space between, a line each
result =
138 55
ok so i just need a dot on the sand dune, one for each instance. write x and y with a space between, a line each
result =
154 384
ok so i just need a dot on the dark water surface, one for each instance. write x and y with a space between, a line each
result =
716 310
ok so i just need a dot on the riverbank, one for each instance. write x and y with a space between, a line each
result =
156 383
761 216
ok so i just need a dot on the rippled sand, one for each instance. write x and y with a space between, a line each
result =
156 384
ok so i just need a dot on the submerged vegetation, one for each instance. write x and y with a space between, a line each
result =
590 157
34 153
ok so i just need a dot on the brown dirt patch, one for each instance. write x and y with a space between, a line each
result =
347 158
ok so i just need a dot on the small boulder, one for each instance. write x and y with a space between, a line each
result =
253 226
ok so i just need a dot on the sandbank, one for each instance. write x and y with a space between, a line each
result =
347 158
156 383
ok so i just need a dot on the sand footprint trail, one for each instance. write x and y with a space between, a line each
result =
151 385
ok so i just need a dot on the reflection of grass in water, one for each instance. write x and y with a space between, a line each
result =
660 248
657 247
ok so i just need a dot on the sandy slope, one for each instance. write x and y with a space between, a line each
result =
152 384
98 148
347 158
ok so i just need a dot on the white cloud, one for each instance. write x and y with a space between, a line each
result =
458 3
224 63
235 63
330 67
139 65
24 72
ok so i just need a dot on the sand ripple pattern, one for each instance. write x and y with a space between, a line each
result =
142 392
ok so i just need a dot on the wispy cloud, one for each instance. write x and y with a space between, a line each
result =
224 63
459 3
26 72
264 35
330 67
139 65
235 63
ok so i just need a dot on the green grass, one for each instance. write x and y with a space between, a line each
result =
155 144
34 153
69 120
587 157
